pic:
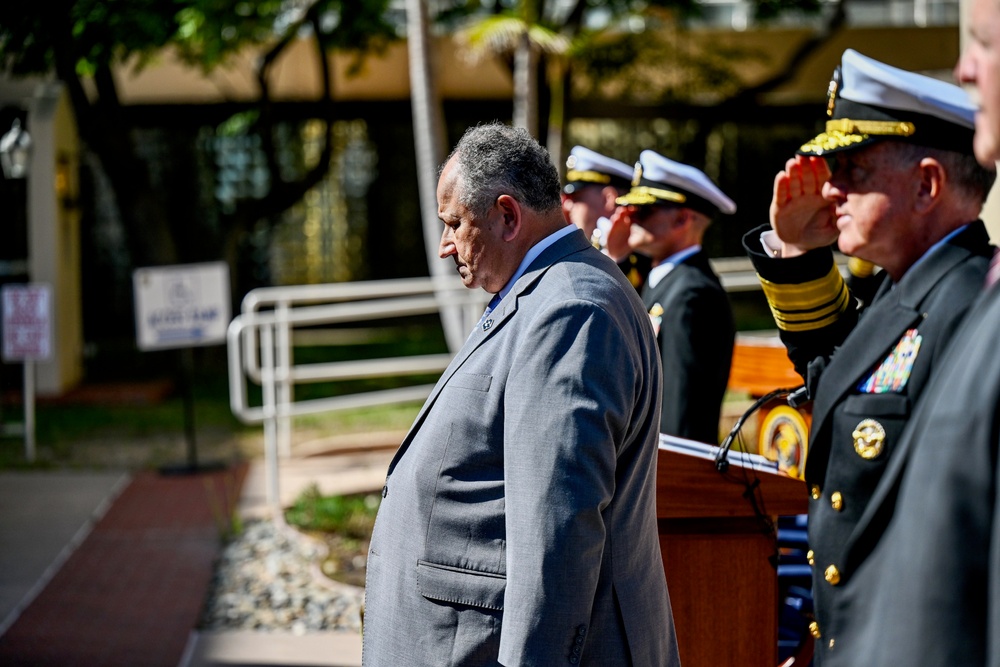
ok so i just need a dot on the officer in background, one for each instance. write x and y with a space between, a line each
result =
593 183
892 181
665 215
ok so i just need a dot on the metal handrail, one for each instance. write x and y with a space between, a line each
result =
261 339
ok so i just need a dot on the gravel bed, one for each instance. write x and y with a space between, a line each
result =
267 578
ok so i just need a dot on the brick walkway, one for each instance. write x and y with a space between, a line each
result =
133 591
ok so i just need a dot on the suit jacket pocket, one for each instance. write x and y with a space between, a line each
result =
877 405
460 585
474 381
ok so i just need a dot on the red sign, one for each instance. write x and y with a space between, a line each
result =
27 330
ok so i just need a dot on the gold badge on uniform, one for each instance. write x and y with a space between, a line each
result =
869 438
656 317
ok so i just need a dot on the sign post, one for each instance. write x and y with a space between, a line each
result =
27 337
181 307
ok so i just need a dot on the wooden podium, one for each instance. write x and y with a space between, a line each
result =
723 587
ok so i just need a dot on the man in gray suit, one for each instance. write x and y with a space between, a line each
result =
517 524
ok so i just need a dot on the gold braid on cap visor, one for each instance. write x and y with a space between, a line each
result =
587 176
844 132
644 195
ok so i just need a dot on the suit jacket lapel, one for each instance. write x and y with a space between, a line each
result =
504 311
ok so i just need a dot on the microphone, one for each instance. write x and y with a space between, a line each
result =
797 394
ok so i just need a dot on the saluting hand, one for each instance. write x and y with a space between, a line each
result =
800 216
621 226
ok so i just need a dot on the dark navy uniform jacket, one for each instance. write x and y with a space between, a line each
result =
865 371
695 333
934 575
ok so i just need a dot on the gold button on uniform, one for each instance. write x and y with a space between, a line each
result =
811 557
815 492
832 575
837 501
814 630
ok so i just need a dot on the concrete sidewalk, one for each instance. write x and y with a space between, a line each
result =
133 588
350 472
112 568
44 517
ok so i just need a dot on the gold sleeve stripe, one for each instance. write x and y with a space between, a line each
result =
800 323
809 305
860 268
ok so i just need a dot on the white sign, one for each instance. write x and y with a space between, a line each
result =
27 322
181 306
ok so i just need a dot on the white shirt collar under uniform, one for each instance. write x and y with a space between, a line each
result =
660 271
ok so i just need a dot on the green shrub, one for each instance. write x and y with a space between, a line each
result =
348 516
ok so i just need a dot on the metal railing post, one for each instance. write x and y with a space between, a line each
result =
270 416
284 379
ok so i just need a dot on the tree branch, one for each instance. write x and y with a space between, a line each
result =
283 194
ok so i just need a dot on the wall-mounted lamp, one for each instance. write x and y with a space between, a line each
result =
15 151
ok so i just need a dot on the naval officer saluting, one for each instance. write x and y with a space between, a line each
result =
664 215
593 183
892 181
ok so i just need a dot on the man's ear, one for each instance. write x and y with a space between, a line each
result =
932 181
510 216
609 194
684 217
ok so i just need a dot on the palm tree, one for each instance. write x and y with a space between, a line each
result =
522 35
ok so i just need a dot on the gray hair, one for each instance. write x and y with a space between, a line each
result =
495 159
968 175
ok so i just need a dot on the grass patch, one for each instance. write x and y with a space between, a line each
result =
344 524
375 418
110 433
350 516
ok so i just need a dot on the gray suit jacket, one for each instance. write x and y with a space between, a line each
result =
517 525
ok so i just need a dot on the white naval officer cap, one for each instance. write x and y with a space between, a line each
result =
658 180
870 101
587 167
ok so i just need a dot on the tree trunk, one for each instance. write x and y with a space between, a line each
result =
526 86
557 72
429 142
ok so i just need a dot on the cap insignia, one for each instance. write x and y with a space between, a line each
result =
637 174
831 92
571 162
